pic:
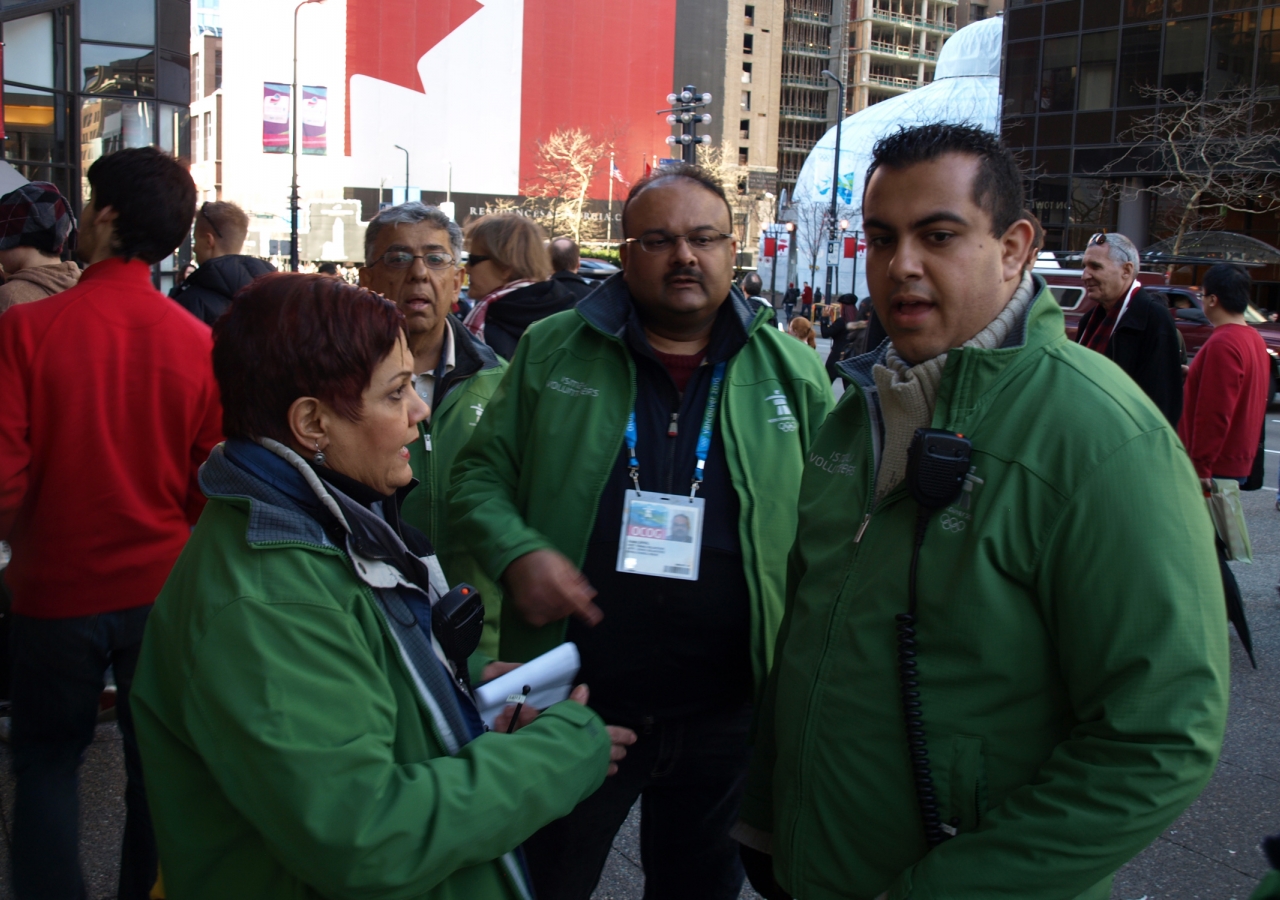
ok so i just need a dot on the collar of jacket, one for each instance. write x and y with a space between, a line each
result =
226 274
970 371
1137 316
470 355
609 308
284 504
117 269
569 276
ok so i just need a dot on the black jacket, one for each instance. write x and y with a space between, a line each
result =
508 317
575 284
208 290
1145 345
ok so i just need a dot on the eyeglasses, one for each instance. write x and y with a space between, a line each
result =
475 259
205 215
700 239
403 259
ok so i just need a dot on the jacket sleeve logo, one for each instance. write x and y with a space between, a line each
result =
479 408
783 417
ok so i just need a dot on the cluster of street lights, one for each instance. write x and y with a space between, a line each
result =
684 112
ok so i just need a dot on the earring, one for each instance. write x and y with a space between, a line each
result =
318 459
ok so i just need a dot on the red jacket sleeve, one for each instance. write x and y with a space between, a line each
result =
15 417
1222 378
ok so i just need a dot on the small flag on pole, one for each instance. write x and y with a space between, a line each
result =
617 175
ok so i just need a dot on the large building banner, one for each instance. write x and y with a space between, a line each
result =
472 88
275 118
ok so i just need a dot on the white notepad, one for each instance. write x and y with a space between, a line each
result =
550 675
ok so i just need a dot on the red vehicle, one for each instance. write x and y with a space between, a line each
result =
1184 303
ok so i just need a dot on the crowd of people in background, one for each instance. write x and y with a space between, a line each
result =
961 633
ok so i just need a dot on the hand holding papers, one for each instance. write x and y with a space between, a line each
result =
550 676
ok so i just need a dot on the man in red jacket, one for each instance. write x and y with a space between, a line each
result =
107 407
1225 401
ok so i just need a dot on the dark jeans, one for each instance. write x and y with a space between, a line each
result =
58 669
689 775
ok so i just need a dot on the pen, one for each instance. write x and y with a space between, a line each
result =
518 700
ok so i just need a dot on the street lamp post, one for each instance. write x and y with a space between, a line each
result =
835 174
293 125
406 171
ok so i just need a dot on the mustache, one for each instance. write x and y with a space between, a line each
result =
684 273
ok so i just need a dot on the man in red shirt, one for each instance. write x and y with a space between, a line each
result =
108 405
1225 398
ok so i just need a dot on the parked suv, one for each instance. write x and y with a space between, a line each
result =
1185 303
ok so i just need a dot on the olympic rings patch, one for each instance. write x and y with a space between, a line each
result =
953 524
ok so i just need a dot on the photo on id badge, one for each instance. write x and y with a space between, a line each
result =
661 535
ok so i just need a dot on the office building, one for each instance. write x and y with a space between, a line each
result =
1074 80
85 78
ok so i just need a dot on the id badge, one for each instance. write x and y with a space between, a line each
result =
661 535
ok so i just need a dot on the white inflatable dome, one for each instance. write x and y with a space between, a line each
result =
965 88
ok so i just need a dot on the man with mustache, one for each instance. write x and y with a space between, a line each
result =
1003 669
722 406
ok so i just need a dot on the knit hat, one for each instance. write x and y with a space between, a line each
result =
37 215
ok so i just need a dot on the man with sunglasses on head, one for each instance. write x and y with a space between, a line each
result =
413 257
221 228
664 394
1129 326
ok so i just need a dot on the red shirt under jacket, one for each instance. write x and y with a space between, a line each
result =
1225 401
107 407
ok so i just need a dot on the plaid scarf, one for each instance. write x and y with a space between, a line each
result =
474 322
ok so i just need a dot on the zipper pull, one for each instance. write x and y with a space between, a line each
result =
858 537
672 428
426 440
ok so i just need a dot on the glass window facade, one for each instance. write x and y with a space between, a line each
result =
90 77
121 21
1079 73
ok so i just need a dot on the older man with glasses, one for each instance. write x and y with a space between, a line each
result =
664 406
1128 325
413 257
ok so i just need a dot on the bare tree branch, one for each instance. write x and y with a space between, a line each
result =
565 164
1204 156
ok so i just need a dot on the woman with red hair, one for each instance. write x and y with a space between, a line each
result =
303 710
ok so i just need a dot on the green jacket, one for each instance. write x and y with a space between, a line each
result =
1072 641
533 475
290 749
1268 888
467 389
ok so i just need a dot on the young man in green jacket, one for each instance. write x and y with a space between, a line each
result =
1012 695
584 519
413 257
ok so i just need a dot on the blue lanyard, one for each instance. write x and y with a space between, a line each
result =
704 435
